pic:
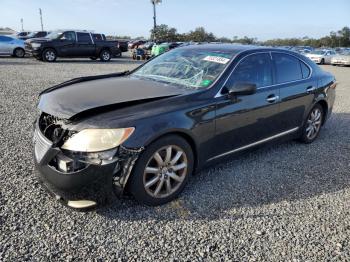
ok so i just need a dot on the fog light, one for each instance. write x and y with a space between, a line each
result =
81 203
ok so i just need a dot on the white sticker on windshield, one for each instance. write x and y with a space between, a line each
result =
216 59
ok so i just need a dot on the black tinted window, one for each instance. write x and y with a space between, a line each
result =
5 39
84 37
97 37
254 69
305 70
41 34
287 68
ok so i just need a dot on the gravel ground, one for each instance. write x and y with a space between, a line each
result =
287 202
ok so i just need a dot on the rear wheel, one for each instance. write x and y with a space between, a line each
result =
49 55
19 52
313 124
162 171
105 55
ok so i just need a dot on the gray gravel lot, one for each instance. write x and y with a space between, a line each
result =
287 202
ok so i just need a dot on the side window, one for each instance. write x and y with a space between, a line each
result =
5 39
68 36
97 37
287 68
305 70
256 69
84 37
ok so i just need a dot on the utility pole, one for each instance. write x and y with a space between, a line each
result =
41 19
22 24
154 3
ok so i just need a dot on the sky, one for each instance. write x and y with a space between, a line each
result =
264 19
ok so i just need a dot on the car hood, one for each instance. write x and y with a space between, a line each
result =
115 92
38 40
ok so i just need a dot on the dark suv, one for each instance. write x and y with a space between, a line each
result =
72 44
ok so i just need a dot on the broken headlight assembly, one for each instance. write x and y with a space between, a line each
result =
91 146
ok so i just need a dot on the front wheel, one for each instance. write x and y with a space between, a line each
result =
49 55
19 52
105 55
312 126
162 171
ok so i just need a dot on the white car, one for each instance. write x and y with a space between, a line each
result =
341 59
10 45
321 56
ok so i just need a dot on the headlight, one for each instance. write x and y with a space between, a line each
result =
36 45
95 140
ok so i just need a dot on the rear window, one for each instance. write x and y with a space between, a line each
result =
98 37
305 70
287 68
84 37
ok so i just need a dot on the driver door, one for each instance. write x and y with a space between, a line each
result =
245 120
67 45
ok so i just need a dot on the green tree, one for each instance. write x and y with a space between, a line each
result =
164 33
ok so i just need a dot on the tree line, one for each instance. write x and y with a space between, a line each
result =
169 34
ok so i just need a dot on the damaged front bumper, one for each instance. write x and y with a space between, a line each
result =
83 185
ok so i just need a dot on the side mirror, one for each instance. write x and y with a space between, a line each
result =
242 89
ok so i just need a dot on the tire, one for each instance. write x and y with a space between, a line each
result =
322 61
164 182
49 55
314 121
105 55
19 52
93 58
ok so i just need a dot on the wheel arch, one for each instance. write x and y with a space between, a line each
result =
188 138
324 106
18 47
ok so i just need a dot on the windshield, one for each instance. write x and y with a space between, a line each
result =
192 68
54 35
31 34
319 52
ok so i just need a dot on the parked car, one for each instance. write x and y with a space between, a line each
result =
10 45
21 34
341 59
148 130
36 34
136 44
71 44
321 56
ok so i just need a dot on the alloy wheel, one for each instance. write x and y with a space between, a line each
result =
314 123
106 56
19 53
50 56
165 171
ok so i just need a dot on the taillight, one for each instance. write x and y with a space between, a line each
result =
334 85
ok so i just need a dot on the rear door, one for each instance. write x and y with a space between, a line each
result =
85 45
244 120
293 76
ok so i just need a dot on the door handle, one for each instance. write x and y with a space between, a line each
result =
310 89
272 98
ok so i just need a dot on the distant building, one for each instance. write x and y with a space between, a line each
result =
6 31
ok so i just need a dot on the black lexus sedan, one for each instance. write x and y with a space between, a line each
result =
147 131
